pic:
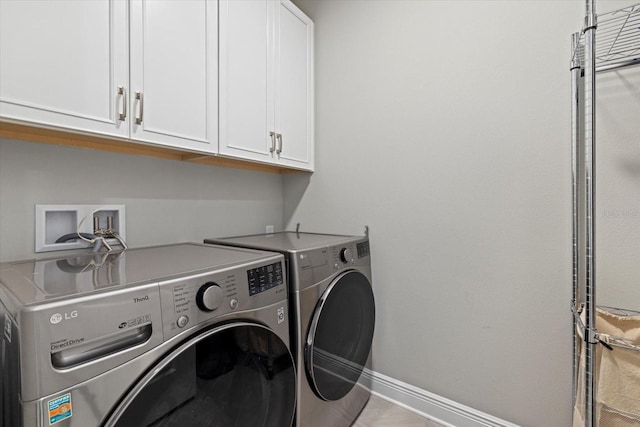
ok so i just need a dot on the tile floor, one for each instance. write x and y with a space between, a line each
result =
382 413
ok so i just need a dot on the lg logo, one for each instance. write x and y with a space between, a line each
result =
57 317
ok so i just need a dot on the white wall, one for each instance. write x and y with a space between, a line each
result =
166 201
618 189
445 126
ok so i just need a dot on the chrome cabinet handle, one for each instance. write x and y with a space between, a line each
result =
279 138
273 141
122 115
141 108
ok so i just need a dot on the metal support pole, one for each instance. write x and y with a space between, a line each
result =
590 243
575 136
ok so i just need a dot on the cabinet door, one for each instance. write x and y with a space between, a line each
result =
246 78
62 63
294 87
174 73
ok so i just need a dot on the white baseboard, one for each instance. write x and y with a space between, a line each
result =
430 405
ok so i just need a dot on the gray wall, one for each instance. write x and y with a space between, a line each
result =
618 189
445 126
166 201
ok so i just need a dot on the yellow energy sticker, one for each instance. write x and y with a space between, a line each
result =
59 408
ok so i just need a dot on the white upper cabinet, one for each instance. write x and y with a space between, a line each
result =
233 77
62 64
294 87
174 73
246 76
266 82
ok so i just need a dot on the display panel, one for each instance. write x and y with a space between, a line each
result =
363 249
264 278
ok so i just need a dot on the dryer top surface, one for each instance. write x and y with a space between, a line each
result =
286 241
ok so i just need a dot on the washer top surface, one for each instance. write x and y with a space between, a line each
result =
286 241
48 279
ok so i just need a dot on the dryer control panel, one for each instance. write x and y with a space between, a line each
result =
349 254
312 266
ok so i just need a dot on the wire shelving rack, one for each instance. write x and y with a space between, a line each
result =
607 42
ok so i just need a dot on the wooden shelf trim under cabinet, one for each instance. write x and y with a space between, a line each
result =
28 133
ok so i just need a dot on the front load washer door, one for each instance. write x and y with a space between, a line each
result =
239 374
339 338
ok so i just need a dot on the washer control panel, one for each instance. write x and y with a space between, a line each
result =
189 301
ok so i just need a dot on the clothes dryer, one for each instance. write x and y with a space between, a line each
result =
333 319
178 335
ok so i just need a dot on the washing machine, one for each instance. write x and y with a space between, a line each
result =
333 319
176 335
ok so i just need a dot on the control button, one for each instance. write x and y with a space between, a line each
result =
182 321
346 255
233 304
209 296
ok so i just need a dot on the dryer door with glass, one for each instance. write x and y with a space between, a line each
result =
238 374
340 335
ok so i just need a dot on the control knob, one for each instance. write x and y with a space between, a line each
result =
209 296
346 256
